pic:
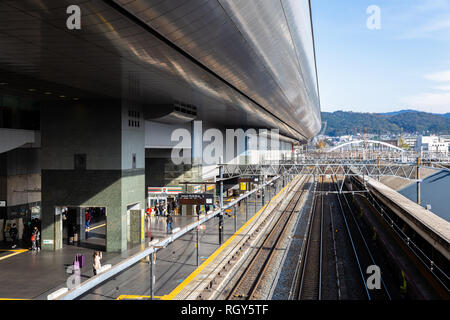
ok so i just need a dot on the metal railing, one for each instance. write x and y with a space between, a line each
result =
439 274
91 283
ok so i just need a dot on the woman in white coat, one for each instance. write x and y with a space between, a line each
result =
97 265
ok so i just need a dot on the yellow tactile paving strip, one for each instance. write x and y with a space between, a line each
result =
135 297
14 252
183 284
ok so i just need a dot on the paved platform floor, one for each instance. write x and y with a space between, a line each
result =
34 275
174 263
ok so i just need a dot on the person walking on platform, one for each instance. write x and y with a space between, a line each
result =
35 238
169 221
149 211
161 209
13 234
87 216
197 209
171 207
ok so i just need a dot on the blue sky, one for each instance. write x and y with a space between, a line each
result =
403 65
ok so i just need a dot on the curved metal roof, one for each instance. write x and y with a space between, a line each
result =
242 63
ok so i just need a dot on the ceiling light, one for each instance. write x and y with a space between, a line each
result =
62 96
31 90
48 92
3 83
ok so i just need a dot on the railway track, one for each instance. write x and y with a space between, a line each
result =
361 250
248 285
308 279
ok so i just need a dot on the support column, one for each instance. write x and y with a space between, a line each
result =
82 223
81 171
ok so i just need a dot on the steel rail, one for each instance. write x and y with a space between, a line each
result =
252 264
352 242
308 246
296 280
365 243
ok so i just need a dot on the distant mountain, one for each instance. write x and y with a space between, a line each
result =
410 121
393 113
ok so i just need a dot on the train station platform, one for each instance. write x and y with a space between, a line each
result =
35 275
175 264
432 228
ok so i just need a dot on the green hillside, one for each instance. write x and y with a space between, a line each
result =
343 123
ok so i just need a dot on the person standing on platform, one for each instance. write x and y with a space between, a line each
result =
169 221
13 234
170 207
97 264
176 207
87 216
35 238
149 226
161 209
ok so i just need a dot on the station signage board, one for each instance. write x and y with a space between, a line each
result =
166 190
2 203
195 198
246 179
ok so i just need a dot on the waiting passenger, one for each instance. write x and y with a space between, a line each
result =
35 237
169 221
97 265
13 234
87 216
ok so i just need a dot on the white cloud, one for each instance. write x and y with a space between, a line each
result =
436 29
443 76
443 88
421 19
429 102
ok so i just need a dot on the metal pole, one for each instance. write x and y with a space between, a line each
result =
256 199
198 241
152 277
269 187
418 180
221 206
235 219
246 209
263 190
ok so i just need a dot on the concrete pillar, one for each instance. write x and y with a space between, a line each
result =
81 220
92 156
